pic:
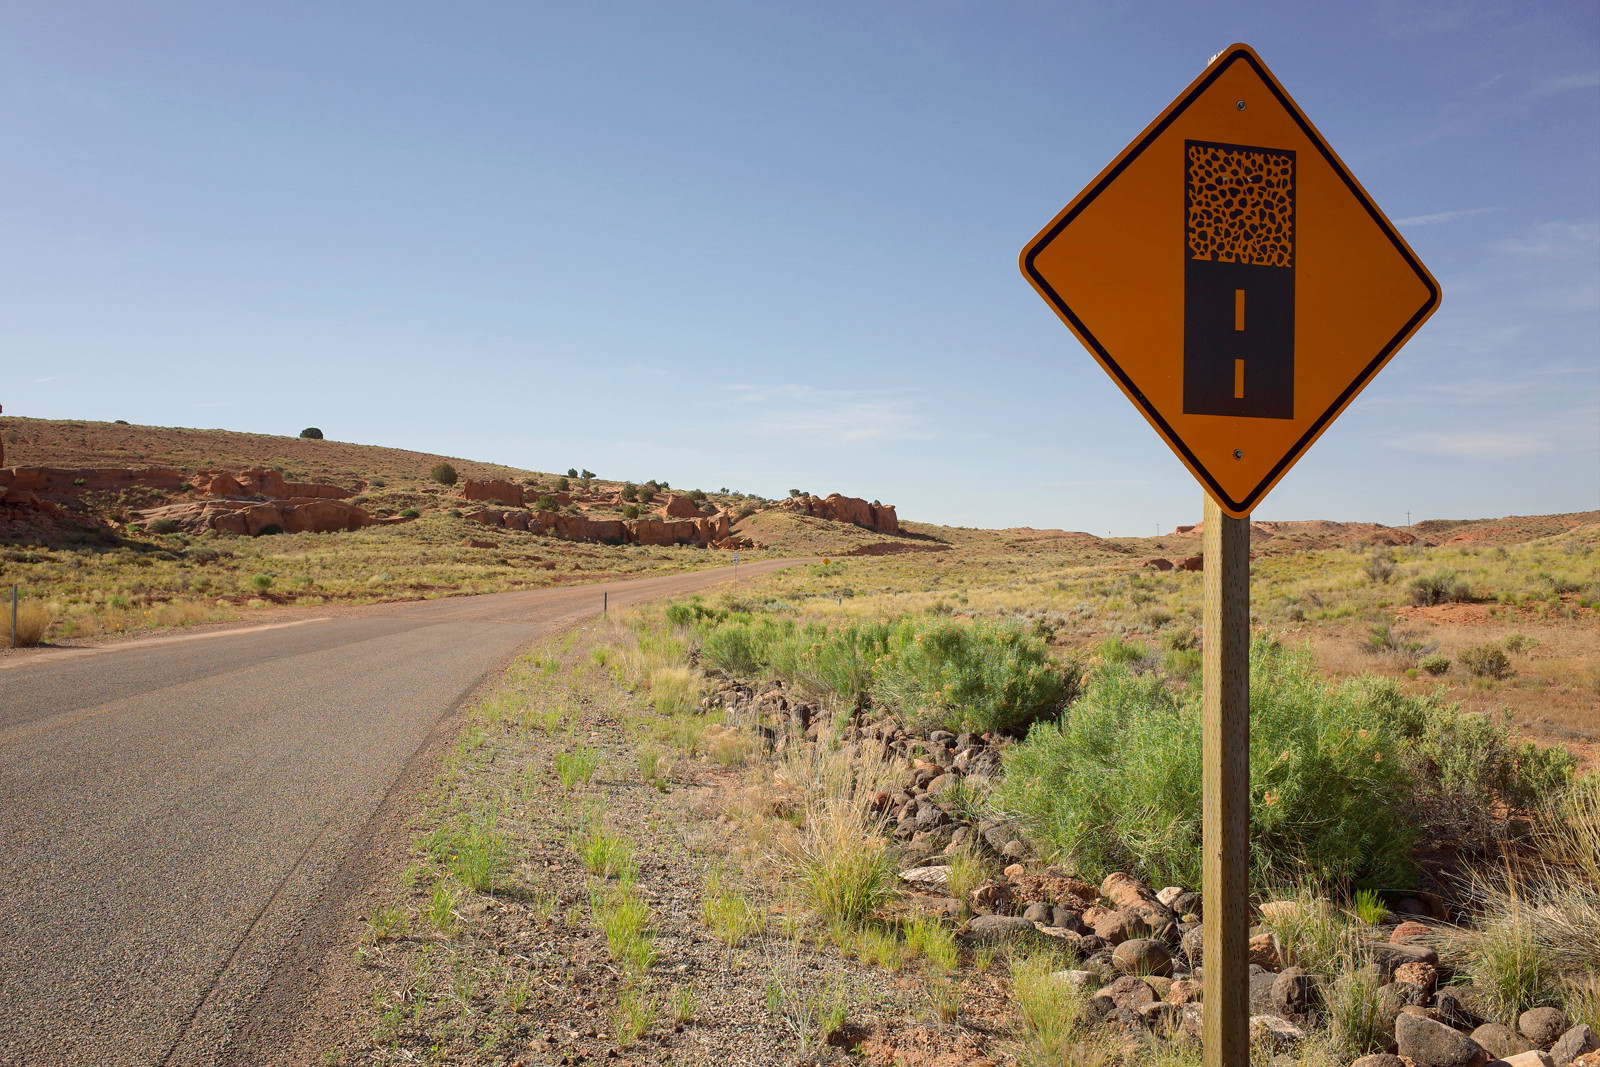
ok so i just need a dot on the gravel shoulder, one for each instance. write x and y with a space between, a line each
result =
428 970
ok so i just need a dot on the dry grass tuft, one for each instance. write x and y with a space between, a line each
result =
34 619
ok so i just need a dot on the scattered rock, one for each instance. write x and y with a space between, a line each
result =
1121 925
1410 932
1418 974
1142 956
1574 1043
1128 992
1002 930
1529 1058
1264 951
1433 1044
926 875
1542 1026
1388 955
1380 1059
1293 992
1281 1034
1261 1000
1499 1040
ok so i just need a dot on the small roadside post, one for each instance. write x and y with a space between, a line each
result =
736 568
1241 288
605 601
13 616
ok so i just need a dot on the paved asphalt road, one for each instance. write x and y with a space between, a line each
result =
172 812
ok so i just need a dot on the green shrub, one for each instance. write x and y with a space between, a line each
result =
1380 565
1116 783
971 676
630 492
1435 664
1486 661
562 484
311 433
1441 587
545 503
163 526
630 511
411 513
443 473
1469 770
1116 649
262 582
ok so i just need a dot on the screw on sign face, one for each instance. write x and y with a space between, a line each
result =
1233 278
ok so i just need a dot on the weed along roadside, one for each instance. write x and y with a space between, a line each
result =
738 832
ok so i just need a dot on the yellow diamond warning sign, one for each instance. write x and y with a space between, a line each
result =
1233 278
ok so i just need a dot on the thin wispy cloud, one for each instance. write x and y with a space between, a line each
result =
1565 83
1553 240
832 416
1569 431
1444 216
49 379
1102 481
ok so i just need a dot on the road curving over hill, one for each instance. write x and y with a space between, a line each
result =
177 817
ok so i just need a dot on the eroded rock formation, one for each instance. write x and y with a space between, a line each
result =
879 517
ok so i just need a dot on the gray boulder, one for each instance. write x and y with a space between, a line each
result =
1574 1043
1380 1059
1501 1041
1141 955
1293 992
1433 1044
1003 930
1542 1026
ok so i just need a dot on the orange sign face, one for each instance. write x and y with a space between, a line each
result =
1233 278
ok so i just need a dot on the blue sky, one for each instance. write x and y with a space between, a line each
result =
766 245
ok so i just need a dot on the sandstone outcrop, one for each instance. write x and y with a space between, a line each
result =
707 530
264 481
251 517
679 507
879 517
61 481
500 492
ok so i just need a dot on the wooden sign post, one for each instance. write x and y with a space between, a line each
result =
1225 785
1241 288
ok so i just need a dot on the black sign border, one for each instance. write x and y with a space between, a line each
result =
1299 448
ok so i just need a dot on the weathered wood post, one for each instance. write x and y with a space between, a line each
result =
1226 789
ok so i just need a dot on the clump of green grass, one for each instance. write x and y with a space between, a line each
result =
966 874
1051 1010
624 917
635 1015
441 908
684 1003
388 922
844 868
1369 908
675 690
727 911
810 1016
934 942
607 855
481 857
1357 1023
576 767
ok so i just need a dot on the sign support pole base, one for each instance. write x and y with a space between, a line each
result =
1225 887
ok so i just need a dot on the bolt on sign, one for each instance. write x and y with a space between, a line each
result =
1234 279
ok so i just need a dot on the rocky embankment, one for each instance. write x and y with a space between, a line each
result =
1141 950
